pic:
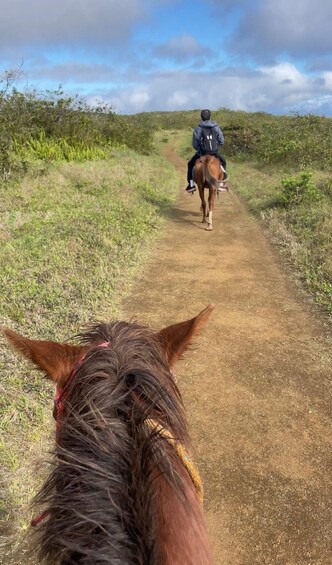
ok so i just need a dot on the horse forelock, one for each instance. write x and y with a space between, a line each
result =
100 490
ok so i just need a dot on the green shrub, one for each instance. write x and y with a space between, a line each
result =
53 127
299 189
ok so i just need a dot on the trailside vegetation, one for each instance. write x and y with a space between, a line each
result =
42 128
72 242
293 141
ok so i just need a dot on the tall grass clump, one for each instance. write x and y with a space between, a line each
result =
48 150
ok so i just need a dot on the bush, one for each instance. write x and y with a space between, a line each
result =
299 189
298 141
51 126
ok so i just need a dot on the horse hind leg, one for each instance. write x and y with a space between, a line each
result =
203 205
212 196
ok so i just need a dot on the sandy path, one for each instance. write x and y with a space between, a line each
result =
255 384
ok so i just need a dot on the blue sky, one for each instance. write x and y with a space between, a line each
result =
146 55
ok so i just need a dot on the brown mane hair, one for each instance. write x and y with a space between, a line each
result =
117 492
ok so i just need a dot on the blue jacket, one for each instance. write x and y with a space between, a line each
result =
197 135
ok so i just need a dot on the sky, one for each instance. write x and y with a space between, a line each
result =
270 56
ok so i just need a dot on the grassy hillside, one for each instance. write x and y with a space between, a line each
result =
291 142
72 241
52 127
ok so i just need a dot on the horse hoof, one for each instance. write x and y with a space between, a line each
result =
209 228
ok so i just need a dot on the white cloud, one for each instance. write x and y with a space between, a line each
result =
277 89
127 101
285 73
271 88
179 99
91 47
182 48
328 79
298 28
71 22
139 99
75 71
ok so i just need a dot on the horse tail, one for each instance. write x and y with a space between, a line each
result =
209 179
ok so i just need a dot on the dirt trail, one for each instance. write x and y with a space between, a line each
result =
255 385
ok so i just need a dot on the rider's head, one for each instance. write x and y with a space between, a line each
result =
205 115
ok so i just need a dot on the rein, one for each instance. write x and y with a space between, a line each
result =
182 454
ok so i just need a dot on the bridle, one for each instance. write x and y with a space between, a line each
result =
61 393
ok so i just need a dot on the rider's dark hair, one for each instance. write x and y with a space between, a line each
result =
205 115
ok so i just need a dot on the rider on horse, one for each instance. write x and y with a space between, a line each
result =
207 137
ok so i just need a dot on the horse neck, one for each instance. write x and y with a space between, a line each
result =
109 488
179 527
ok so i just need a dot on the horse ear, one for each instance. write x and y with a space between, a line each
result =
176 338
56 359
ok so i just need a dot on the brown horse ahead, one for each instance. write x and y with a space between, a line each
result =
122 489
208 174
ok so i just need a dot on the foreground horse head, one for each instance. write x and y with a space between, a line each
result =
208 174
123 488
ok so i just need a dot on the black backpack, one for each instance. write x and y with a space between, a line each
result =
209 142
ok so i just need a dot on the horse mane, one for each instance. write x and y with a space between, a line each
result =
106 456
